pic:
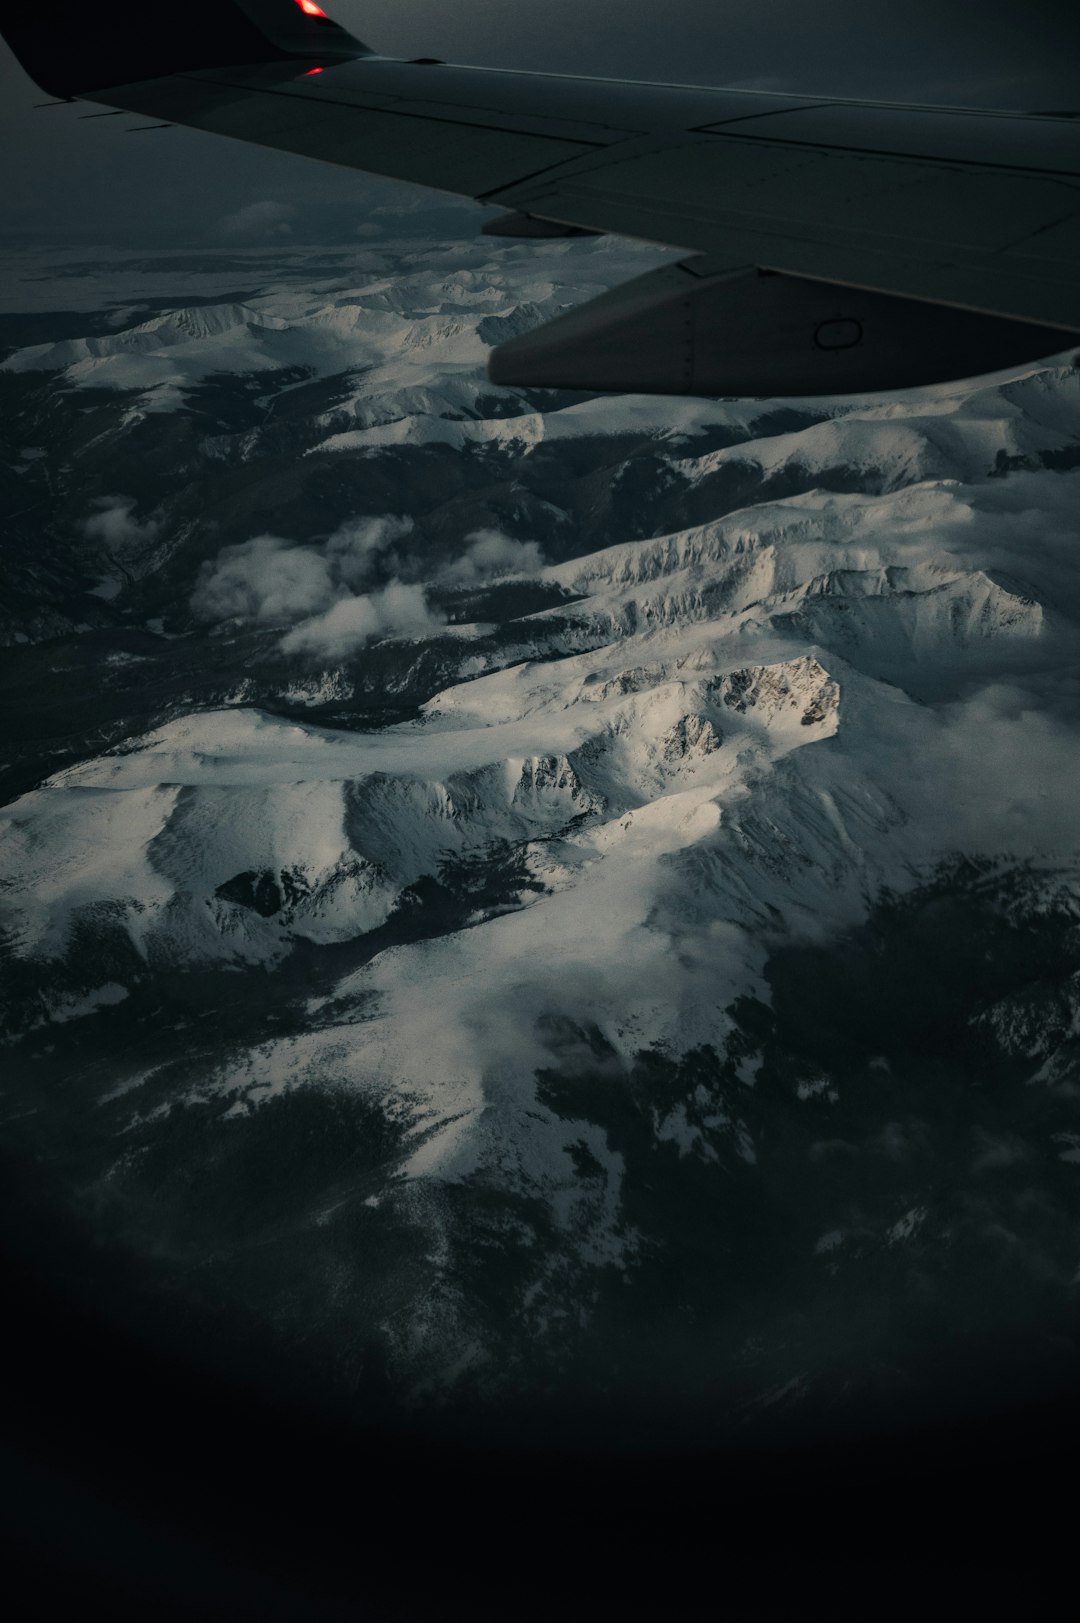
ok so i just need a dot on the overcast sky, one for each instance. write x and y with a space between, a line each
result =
83 182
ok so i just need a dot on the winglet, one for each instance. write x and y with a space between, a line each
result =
74 47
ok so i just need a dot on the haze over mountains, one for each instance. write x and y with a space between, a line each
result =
533 894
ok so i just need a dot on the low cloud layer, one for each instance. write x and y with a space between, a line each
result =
395 611
359 585
264 579
259 222
491 555
114 524
269 579
362 546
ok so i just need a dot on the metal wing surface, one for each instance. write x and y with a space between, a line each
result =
835 245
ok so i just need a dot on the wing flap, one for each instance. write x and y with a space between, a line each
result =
966 135
998 241
818 191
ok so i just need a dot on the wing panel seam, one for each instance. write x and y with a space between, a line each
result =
422 118
1065 176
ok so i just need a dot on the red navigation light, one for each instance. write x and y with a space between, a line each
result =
311 9
310 71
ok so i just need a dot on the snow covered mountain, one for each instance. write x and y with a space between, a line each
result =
586 891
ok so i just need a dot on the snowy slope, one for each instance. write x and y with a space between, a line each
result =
720 761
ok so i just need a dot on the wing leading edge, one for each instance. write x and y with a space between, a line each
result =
902 244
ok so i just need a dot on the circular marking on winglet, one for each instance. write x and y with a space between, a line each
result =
841 332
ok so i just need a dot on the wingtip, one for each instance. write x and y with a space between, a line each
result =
70 48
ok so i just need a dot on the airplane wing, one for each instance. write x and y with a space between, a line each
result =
834 245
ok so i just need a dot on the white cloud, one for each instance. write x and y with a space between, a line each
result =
1005 770
269 578
491 555
264 579
336 597
358 544
113 523
397 611
257 221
